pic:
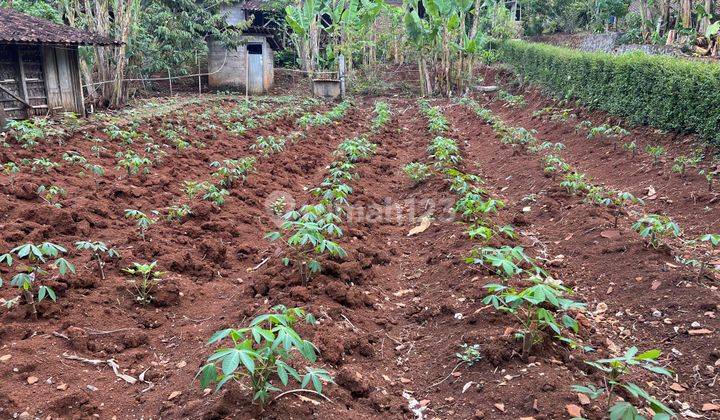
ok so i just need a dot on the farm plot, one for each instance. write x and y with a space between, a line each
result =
457 264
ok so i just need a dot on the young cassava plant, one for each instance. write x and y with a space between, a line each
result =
261 354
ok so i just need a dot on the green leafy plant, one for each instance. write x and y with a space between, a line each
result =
713 241
505 261
437 123
654 227
176 213
193 188
469 354
417 172
620 200
631 147
382 115
614 371
231 170
143 221
98 249
536 307
44 164
445 152
656 152
262 353
355 149
52 194
308 234
268 145
133 163
515 101
575 183
74 158
28 132
149 279
216 195
38 265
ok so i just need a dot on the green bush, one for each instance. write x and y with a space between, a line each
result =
664 92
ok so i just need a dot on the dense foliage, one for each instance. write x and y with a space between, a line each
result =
664 92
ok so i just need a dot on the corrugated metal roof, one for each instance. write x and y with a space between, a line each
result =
22 28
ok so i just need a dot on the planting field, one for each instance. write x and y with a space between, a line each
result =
470 257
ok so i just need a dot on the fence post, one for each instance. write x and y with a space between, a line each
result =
170 80
197 61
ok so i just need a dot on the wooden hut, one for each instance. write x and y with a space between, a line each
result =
39 66
251 63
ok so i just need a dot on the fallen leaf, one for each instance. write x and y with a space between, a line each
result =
424 225
500 406
526 209
181 364
62 387
655 284
174 395
405 380
467 385
32 379
701 331
677 387
710 407
610 234
5 358
584 399
601 308
424 403
574 410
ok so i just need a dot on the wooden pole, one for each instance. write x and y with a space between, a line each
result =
247 73
197 61
341 74
170 80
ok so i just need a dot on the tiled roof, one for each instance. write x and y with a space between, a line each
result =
22 28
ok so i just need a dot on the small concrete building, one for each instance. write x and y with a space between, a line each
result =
251 63
39 66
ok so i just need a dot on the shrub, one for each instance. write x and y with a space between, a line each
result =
263 351
665 92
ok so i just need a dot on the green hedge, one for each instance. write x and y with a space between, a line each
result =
664 92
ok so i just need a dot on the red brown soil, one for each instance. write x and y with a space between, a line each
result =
388 314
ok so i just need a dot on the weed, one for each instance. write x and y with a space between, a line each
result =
469 354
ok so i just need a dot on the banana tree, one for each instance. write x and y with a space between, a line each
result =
304 20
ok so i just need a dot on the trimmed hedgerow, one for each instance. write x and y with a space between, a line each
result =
664 92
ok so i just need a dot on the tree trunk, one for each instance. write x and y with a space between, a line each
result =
705 21
686 13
